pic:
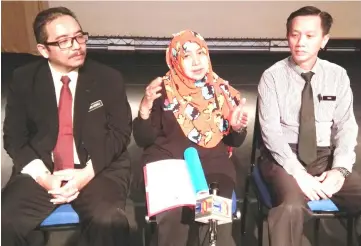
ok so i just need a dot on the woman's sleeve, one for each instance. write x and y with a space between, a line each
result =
145 132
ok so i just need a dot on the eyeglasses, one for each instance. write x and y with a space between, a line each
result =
68 42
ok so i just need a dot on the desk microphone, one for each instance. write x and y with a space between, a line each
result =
213 210
213 207
210 208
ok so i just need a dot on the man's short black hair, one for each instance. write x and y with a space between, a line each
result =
46 16
326 18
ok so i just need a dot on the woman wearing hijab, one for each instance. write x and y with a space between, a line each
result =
190 106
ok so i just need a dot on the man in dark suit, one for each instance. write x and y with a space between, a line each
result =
67 126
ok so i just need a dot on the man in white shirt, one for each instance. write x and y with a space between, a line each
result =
308 129
67 128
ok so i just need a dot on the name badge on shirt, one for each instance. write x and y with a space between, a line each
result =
95 105
328 98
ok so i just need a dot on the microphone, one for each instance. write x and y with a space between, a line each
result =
209 205
213 207
319 97
195 170
210 208
213 210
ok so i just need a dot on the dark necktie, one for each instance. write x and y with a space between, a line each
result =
63 151
307 145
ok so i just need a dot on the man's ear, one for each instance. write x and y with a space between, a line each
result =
325 40
43 50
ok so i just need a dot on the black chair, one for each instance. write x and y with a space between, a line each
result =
319 209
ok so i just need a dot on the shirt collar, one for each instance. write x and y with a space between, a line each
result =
73 75
299 70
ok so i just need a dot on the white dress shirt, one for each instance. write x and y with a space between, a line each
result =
280 92
37 167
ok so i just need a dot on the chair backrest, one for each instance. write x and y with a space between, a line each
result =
257 140
261 188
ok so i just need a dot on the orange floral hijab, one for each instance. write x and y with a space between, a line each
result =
202 108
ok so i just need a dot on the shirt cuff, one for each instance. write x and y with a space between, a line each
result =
342 162
89 168
89 162
35 169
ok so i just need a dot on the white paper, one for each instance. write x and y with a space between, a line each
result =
168 185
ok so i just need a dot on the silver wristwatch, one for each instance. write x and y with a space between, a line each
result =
343 171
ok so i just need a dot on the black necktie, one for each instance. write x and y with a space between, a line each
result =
307 145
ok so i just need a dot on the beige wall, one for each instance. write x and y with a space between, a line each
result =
16 25
212 19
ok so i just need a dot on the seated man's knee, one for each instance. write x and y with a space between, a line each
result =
293 206
112 216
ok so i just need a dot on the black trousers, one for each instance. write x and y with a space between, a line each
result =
177 227
100 205
286 218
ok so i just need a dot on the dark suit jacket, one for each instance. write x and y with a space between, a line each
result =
31 121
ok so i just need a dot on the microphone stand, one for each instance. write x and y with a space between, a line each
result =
212 222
